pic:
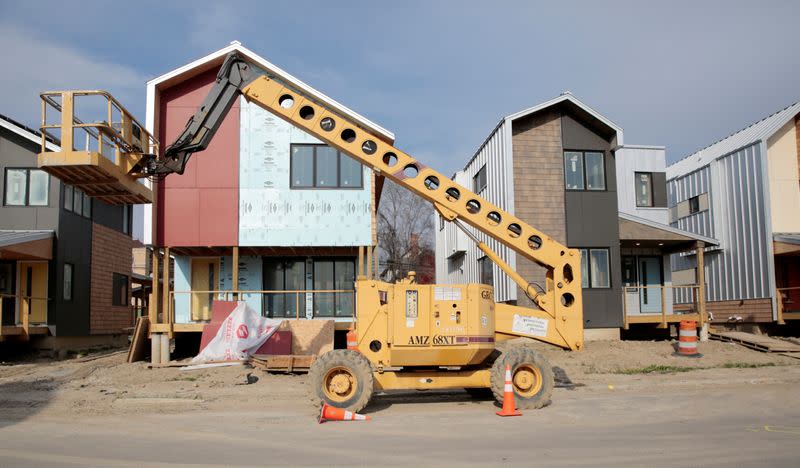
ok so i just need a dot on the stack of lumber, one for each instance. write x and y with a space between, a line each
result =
282 363
758 342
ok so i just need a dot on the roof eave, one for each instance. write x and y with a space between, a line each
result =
202 64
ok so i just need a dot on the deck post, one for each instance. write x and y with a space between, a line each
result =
235 272
165 308
701 289
154 303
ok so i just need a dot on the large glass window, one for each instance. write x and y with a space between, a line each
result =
320 166
350 172
68 197
479 181
595 171
326 169
595 269
284 275
26 187
644 188
487 275
330 275
584 170
573 170
77 202
302 166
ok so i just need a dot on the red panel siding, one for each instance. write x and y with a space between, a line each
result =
201 206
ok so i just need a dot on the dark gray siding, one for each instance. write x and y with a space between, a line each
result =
18 152
659 189
75 247
592 221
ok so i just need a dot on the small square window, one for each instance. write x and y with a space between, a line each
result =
694 205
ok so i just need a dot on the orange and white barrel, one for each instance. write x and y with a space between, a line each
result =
352 340
687 339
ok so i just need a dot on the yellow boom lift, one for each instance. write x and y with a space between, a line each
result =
405 335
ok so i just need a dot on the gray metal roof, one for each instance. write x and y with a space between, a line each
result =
707 240
18 237
788 238
756 132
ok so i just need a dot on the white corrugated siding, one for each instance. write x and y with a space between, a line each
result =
499 190
736 217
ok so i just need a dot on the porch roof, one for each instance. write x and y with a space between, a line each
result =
786 243
26 245
640 232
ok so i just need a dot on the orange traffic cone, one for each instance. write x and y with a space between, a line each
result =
330 413
509 408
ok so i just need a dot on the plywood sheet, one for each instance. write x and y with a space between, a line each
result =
310 336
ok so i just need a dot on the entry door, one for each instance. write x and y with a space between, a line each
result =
650 275
33 285
630 278
205 277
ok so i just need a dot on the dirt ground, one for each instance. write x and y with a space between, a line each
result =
107 386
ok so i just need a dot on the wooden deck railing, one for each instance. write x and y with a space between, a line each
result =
788 309
228 295
684 299
22 326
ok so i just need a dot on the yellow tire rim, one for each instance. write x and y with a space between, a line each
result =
527 380
339 384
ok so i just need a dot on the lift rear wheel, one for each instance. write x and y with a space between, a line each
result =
342 378
531 378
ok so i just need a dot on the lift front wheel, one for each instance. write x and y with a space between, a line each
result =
531 377
342 378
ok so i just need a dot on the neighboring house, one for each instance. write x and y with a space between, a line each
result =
745 191
562 167
65 259
266 208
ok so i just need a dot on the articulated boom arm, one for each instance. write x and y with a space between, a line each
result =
561 301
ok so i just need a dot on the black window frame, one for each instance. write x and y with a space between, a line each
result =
336 296
650 192
583 171
117 280
86 202
68 292
694 204
586 253
314 186
476 180
27 201
486 266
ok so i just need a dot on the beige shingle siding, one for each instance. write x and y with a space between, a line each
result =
538 183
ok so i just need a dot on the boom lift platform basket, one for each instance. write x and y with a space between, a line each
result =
100 157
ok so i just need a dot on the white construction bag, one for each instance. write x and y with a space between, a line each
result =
240 335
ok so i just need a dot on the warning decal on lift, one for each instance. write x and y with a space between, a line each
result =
444 293
532 326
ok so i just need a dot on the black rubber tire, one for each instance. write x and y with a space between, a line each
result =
356 364
517 357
